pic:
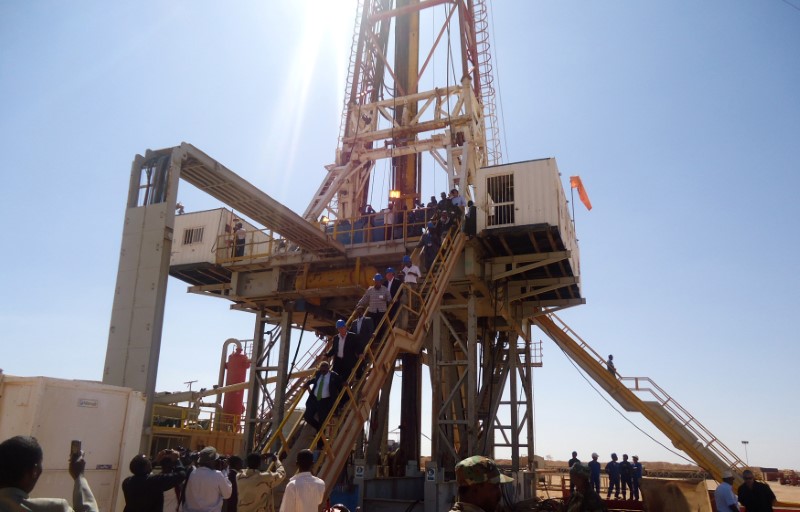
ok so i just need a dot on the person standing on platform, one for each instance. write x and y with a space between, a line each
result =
594 473
755 496
612 468
470 227
304 492
637 477
626 475
571 462
724 498
239 239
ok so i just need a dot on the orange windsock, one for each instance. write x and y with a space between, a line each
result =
575 182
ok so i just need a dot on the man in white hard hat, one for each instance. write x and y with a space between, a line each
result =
723 497
594 473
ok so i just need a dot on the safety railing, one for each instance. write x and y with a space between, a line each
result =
189 418
646 386
385 226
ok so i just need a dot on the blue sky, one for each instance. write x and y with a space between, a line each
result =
682 118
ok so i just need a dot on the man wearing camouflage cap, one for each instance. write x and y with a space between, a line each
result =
584 499
478 480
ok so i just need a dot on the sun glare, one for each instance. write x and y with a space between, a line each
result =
320 58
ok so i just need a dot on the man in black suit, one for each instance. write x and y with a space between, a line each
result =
323 389
392 284
346 350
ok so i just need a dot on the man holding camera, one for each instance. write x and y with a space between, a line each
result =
255 487
20 468
144 491
207 485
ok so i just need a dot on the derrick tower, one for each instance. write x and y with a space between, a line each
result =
419 105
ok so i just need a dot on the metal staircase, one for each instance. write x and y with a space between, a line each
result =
294 389
341 430
663 411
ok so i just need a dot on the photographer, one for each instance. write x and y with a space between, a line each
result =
20 468
207 485
144 491
255 487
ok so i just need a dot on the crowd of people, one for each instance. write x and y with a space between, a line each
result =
397 221
204 481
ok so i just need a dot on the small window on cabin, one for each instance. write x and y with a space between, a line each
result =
193 235
500 199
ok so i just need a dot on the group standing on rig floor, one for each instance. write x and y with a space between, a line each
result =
623 477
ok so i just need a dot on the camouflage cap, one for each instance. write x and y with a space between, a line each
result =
579 469
477 470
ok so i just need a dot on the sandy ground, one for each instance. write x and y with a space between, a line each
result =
784 493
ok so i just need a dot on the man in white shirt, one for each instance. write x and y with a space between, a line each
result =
411 276
457 200
304 492
207 486
411 272
724 497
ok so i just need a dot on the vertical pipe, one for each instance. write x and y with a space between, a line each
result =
279 408
472 374
254 391
513 357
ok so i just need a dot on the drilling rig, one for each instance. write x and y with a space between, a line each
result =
421 109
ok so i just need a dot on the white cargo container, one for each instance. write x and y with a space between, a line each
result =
107 419
206 237
525 194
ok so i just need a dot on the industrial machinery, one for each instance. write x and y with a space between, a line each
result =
468 322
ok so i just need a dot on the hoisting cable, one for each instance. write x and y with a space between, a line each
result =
620 413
